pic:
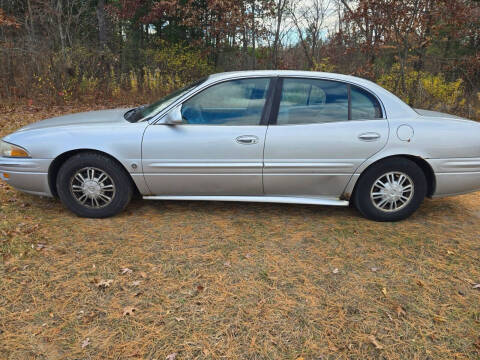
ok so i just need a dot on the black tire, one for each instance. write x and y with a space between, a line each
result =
122 185
362 194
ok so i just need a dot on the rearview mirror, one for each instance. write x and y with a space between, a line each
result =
174 117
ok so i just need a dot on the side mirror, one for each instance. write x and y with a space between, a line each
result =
174 117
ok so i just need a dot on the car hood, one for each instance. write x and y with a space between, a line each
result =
102 117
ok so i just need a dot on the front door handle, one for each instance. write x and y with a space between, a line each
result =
247 139
369 136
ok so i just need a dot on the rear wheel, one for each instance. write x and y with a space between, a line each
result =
390 190
93 185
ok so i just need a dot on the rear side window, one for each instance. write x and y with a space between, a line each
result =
311 101
364 106
308 101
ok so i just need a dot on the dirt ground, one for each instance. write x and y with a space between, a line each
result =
217 280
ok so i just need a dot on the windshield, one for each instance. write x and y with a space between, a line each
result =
146 112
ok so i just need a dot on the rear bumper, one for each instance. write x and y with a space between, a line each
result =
449 184
456 176
27 175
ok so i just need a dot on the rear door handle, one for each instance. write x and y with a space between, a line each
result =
369 136
247 139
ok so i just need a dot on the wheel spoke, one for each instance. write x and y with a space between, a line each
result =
380 184
105 197
79 178
83 198
102 178
382 203
378 195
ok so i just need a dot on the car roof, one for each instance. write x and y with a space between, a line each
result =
393 106
296 73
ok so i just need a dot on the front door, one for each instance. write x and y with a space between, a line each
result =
324 130
217 150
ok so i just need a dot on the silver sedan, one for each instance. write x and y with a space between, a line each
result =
271 136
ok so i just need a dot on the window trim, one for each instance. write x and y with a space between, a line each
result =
279 90
161 116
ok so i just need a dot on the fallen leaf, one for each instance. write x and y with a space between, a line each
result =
200 288
401 311
136 283
420 283
172 356
335 271
375 343
129 310
41 247
85 343
103 284
384 291
126 270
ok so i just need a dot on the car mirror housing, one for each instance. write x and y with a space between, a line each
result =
174 116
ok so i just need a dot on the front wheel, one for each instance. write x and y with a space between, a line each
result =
92 185
390 190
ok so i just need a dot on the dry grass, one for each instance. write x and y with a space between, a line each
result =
236 281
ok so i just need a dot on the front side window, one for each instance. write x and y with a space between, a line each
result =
235 102
310 101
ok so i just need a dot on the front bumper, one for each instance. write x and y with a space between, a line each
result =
27 175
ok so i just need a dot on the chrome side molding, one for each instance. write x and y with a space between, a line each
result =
271 199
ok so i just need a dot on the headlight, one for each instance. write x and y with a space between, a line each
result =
10 150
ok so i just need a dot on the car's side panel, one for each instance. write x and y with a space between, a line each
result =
318 159
451 148
121 140
203 160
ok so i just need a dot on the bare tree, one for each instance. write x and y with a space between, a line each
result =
280 10
309 20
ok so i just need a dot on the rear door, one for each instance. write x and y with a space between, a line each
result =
218 149
323 131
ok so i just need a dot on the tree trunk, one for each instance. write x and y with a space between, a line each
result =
254 35
102 24
280 8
